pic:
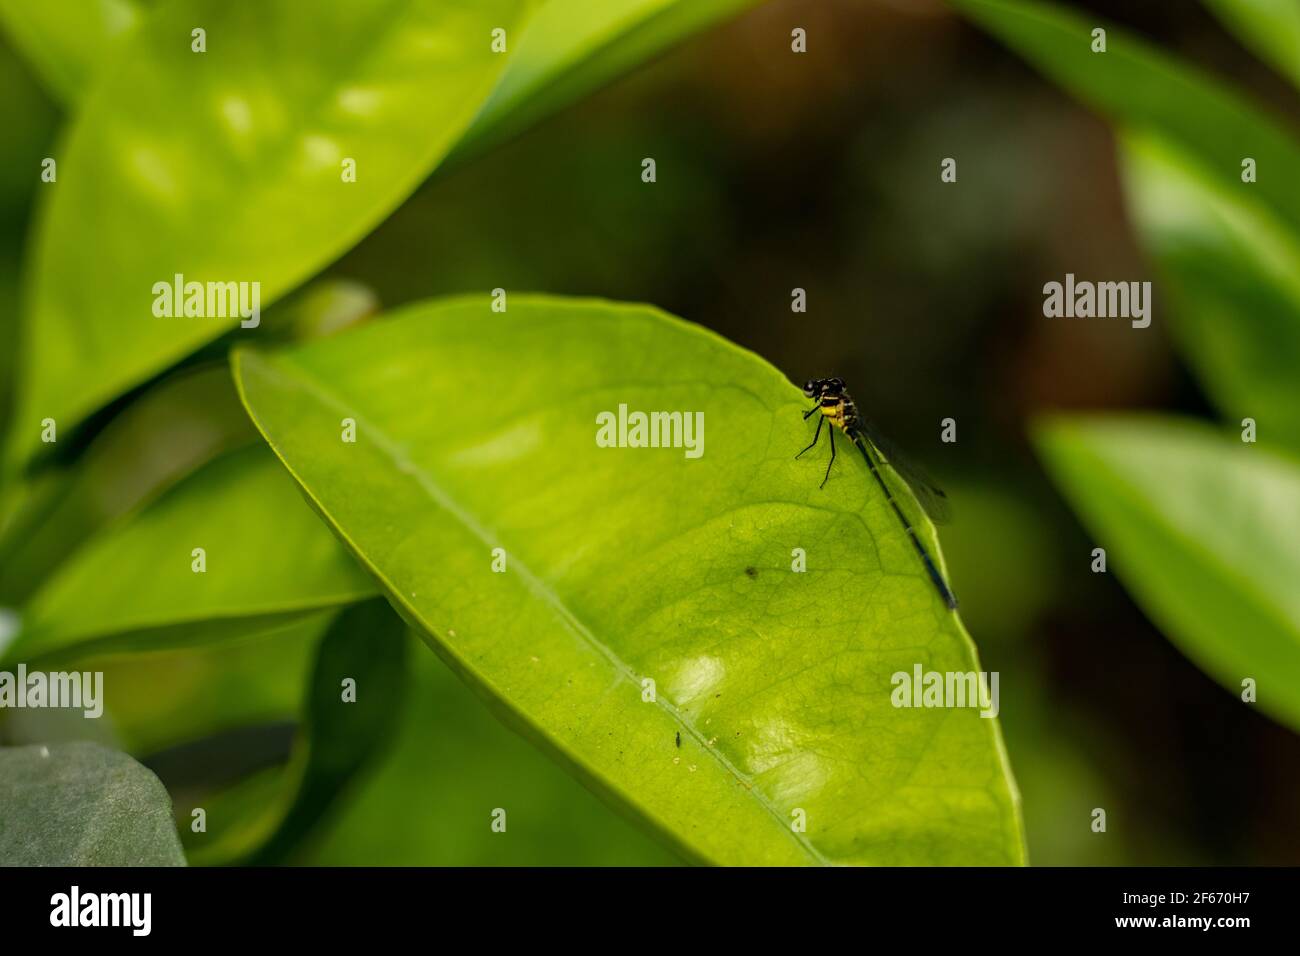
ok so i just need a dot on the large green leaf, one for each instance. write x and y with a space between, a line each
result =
1271 28
572 47
65 42
80 804
477 430
227 167
1202 529
268 559
1236 283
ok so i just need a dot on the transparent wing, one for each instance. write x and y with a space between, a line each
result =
933 501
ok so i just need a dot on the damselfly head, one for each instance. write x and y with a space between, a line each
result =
817 387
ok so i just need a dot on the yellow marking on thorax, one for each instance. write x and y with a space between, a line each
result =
835 413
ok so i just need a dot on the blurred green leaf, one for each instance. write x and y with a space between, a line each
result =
1142 87
1064 766
182 423
365 644
20 499
81 804
26 137
167 699
1269 28
627 565
9 256
1201 528
572 47
1230 246
65 42
233 809
325 307
227 167
429 802
1236 272
268 558
1005 589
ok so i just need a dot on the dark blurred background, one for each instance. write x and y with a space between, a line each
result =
778 171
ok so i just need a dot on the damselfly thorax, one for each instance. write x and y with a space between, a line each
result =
839 408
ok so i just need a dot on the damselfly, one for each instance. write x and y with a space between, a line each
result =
835 404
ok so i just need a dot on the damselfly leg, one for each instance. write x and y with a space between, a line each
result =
816 435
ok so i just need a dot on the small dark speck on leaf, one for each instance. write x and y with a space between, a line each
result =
752 572
679 738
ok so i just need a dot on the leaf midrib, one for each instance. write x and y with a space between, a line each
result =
535 585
